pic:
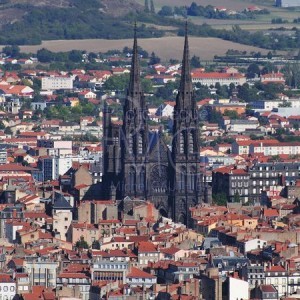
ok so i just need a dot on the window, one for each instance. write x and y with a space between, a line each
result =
140 143
130 143
191 142
142 179
131 179
181 141
182 182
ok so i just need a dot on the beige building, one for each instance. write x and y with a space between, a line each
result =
41 271
89 232
93 211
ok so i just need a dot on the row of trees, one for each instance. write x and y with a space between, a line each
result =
151 8
209 12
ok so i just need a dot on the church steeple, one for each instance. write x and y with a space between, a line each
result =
135 88
185 145
185 90
135 132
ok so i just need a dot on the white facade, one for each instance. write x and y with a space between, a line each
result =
238 289
62 220
55 144
288 3
7 290
167 111
209 79
252 245
57 83
62 165
41 272
271 104
241 126
293 282
279 280
278 149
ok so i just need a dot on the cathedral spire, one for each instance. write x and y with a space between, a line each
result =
186 79
135 81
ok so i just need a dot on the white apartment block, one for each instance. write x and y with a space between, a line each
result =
57 83
212 78
267 149
7 287
271 104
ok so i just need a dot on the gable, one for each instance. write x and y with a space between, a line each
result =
158 152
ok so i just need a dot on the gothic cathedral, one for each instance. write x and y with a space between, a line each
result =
138 163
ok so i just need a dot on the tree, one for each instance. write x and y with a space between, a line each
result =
82 243
12 51
232 114
236 197
269 68
152 7
166 11
116 83
269 55
195 62
92 56
285 104
45 56
154 59
146 9
75 56
220 199
215 116
253 70
167 91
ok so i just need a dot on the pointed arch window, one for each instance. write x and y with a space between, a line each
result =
192 179
181 143
182 179
130 143
142 180
116 138
140 143
132 179
191 142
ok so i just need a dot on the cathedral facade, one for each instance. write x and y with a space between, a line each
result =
139 164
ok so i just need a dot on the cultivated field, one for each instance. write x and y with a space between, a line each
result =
166 48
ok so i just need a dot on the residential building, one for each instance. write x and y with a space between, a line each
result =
235 183
278 277
137 277
41 271
213 78
57 83
254 274
78 281
288 3
7 287
109 270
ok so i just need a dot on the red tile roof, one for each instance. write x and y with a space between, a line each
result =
137 273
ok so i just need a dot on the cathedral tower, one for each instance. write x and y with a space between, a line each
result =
185 181
134 133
